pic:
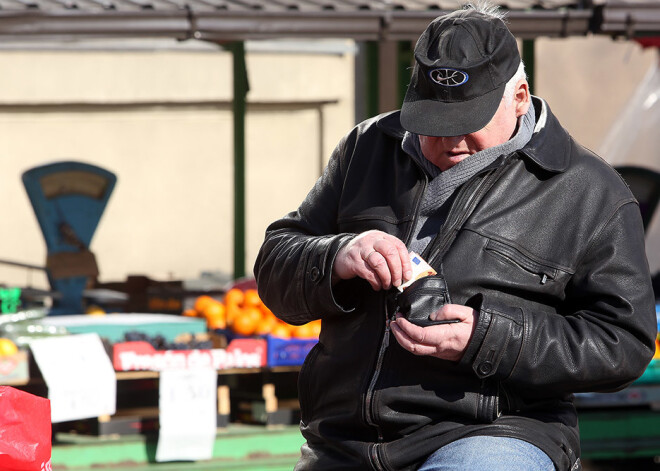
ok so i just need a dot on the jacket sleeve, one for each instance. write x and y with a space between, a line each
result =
601 340
293 268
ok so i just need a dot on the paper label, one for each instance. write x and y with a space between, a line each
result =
188 414
79 375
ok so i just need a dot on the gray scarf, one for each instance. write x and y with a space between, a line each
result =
443 185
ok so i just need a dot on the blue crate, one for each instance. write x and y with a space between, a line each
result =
288 352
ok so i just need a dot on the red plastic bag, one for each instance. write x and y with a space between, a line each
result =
25 431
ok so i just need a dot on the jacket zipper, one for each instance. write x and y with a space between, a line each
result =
464 197
418 201
468 196
368 402
528 265
544 275
384 344
464 194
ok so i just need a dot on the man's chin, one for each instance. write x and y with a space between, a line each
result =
451 160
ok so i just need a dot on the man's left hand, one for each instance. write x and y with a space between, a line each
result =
445 341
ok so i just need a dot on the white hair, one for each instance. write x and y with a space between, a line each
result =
490 10
479 7
510 87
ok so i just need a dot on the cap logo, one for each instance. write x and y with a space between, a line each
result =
448 77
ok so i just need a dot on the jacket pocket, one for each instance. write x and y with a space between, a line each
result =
304 383
414 391
511 255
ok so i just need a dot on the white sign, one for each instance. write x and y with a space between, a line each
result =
188 414
79 375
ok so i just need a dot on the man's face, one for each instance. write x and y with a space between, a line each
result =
445 152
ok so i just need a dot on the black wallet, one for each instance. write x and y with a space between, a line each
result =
422 298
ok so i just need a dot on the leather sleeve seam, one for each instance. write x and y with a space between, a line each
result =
599 231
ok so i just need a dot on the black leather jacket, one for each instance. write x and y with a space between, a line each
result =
552 257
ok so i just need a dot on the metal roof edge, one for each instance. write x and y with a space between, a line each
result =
629 19
369 25
219 25
234 26
35 23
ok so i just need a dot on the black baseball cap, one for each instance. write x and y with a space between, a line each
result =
462 65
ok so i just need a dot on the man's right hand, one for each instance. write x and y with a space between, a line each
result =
379 258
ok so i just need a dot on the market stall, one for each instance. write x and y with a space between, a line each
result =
167 367
162 387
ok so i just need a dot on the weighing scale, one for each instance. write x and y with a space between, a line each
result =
68 199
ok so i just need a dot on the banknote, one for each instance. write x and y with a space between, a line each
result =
420 269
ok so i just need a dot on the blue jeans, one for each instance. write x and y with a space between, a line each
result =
488 454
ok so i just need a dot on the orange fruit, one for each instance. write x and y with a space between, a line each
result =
266 325
190 312
201 302
216 322
251 298
7 347
268 315
233 311
305 331
316 327
234 296
254 313
213 309
281 330
267 312
216 315
95 310
268 321
244 324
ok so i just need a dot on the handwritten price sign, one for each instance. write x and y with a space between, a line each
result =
80 378
188 414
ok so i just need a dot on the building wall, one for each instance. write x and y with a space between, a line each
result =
162 121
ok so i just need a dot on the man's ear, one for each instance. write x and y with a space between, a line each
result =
522 98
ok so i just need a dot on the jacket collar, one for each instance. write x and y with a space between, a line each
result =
390 124
549 147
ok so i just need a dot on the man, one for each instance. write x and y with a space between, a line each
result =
540 245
